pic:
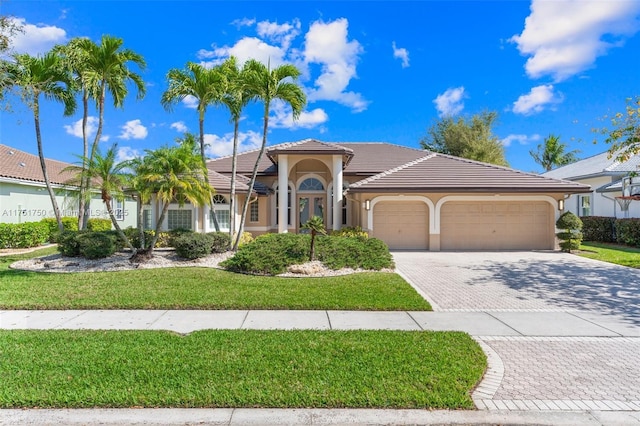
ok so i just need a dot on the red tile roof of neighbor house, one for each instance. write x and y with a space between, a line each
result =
20 165
444 173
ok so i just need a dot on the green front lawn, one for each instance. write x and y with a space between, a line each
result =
612 253
200 288
238 368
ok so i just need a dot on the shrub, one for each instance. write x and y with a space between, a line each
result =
270 254
351 231
599 228
69 223
97 224
23 235
96 245
68 244
628 232
570 237
170 237
246 238
220 242
193 245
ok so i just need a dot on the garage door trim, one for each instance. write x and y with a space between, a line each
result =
402 198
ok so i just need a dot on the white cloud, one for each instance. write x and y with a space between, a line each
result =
537 100
521 139
179 126
219 146
402 54
283 118
75 129
279 33
244 22
245 49
36 39
126 153
190 102
450 102
327 44
564 38
105 138
133 130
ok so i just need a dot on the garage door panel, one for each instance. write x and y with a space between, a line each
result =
402 225
494 225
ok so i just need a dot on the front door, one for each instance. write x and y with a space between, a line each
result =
309 206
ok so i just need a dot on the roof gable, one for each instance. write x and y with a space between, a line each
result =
602 164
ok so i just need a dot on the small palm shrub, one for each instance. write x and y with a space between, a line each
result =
570 236
316 226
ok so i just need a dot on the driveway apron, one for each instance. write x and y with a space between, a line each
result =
577 345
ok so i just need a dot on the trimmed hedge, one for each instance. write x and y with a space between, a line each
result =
628 232
220 242
69 223
96 245
97 224
271 254
599 228
23 235
193 245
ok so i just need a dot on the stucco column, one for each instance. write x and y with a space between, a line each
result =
283 190
337 192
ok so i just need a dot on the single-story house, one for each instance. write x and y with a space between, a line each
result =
24 196
409 198
605 174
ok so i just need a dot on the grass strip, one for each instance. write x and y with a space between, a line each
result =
238 368
612 253
200 288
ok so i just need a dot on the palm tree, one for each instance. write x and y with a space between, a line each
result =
143 193
175 175
110 179
236 98
207 86
44 75
316 226
268 84
100 69
552 153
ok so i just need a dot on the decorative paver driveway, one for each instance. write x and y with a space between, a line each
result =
542 371
486 281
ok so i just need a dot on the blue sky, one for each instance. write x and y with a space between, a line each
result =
373 71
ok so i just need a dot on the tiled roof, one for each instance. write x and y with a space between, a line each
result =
602 164
368 159
20 165
310 147
444 173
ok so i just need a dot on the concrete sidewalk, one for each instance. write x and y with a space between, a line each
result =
491 323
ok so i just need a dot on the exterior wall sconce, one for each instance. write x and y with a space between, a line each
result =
561 205
367 205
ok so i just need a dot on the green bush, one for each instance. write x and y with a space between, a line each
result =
96 245
23 235
599 229
220 242
97 224
193 245
570 236
628 232
271 254
351 231
68 244
172 235
69 223
246 238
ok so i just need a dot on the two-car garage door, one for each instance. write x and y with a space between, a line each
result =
467 225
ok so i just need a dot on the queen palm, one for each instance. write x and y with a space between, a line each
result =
43 75
552 153
236 98
175 175
266 85
206 86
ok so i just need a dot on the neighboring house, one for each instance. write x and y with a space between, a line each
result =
604 174
411 199
24 196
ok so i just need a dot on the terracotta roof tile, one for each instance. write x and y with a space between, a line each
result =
21 165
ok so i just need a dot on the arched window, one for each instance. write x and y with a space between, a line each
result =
219 199
311 184
222 213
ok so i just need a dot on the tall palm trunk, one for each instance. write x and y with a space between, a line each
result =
234 165
84 180
43 164
245 206
165 208
216 225
94 147
123 237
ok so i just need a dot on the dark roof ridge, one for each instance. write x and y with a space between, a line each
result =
394 170
409 148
